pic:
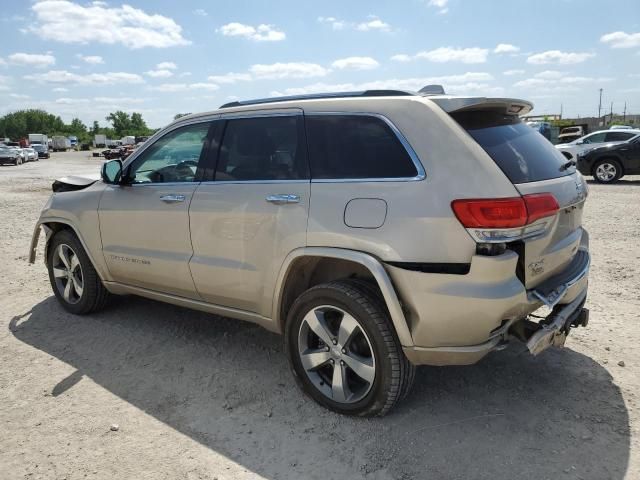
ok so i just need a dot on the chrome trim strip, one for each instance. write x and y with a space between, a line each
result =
405 143
268 182
552 299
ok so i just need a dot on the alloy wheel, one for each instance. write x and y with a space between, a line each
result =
606 172
67 272
336 354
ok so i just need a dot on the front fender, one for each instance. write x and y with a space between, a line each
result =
46 224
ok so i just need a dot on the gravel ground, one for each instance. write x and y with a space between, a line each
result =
201 397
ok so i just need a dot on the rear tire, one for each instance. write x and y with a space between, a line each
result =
336 329
74 280
607 171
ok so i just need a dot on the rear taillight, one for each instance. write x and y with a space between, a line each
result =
504 212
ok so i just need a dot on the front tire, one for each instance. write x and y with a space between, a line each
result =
607 171
343 349
74 280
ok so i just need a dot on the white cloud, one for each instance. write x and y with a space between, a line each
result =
261 33
71 101
335 23
621 39
200 12
401 57
69 22
288 70
2 62
513 72
449 54
230 77
554 80
4 83
166 66
183 87
32 60
19 96
109 78
470 82
355 63
162 73
373 24
441 5
91 59
550 74
506 48
556 56
60 89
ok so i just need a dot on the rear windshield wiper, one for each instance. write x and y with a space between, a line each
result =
570 163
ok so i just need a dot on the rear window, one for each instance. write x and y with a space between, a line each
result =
521 152
355 146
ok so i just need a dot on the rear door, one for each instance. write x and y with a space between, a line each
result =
252 212
534 165
145 225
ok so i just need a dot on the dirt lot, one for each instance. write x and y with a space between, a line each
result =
200 397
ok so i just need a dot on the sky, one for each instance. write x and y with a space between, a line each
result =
88 58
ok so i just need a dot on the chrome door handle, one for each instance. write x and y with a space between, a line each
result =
282 198
172 198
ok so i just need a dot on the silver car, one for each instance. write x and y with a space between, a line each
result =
375 230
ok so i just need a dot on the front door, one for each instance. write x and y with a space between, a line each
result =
144 224
246 220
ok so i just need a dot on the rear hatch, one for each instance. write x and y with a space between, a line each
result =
535 167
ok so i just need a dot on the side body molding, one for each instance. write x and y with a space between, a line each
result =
370 263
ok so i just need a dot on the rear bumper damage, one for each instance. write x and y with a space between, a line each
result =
458 319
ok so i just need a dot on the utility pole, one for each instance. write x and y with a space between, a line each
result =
560 111
624 113
600 104
611 114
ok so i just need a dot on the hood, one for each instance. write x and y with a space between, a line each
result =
74 182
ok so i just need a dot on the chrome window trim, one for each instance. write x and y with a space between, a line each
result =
162 132
405 143
266 182
261 114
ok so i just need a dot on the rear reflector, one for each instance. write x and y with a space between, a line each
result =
504 212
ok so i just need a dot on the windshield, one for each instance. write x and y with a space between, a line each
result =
521 153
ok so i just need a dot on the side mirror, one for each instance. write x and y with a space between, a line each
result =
111 172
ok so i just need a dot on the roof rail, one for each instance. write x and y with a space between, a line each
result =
313 96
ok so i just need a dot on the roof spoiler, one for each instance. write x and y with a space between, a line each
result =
512 106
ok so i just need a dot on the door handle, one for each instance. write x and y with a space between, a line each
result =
172 198
282 198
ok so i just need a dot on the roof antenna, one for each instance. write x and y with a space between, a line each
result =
432 90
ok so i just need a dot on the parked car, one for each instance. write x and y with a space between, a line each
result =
30 154
573 132
572 149
9 155
18 150
41 149
620 127
609 163
349 223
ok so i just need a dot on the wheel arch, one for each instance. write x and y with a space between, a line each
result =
51 226
609 156
305 267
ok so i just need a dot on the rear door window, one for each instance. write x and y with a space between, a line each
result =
263 148
521 153
618 136
355 147
595 138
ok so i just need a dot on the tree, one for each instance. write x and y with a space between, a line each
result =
21 123
96 128
138 125
121 122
